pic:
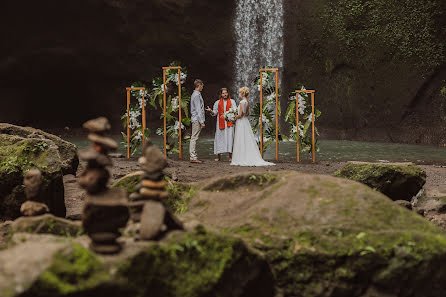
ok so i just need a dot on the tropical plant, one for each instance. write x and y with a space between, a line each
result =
305 119
172 105
268 110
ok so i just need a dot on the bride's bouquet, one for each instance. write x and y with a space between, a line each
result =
230 115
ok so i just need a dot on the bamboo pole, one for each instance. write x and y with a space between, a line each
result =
277 115
261 113
312 124
179 110
128 123
297 125
164 110
143 118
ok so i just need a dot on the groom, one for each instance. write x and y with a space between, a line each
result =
224 134
197 119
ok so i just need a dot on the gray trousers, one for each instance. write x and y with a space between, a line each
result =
196 129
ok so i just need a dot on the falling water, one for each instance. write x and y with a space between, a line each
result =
259 38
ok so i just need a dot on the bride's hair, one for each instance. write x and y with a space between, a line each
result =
244 91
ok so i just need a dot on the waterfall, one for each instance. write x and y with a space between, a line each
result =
259 39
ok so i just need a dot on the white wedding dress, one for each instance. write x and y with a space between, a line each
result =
245 151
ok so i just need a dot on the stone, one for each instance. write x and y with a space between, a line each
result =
129 182
398 181
104 142
18 155
100 125
153 194
32 182
199 264
32 208
94 180
404 203
154 184
47 224
326 236
154 160
66 150
136 197
152 220
95 158
105 212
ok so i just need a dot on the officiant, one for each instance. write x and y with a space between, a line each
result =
224 132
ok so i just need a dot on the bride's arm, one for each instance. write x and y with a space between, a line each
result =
240 112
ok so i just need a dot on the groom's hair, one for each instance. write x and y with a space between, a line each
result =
198 82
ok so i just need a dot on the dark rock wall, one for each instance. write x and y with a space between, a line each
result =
63 62
378 66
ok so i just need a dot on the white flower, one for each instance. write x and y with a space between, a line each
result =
271 97
230 115
162 87
138 136
134 119
174 78
265 120
301 130
310 117
303 88
176 127
175 103
302 104
258 87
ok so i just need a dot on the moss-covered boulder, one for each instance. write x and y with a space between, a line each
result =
184 264
398 181
326 236
47 224
67 150
17 155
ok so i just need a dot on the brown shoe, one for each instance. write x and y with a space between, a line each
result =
196 161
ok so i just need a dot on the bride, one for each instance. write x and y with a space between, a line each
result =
245 151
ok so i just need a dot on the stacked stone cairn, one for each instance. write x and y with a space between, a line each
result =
32 207
105 210
147 204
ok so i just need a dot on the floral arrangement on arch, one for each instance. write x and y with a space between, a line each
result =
268 111
135 117
172 105
305 119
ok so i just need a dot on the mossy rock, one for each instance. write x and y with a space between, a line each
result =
17 156
326 236
47 224
192 264
179 193
67 150
129 182
397 181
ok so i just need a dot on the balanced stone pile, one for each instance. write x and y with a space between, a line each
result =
105 210
147 203
32 207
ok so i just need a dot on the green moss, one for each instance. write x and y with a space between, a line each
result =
253 181
180 195
200 260
403 30
129 183
73 271
22 155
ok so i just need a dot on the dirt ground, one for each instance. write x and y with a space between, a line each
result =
184 171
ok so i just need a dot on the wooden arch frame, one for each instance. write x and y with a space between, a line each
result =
276 71
179 109
312 92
